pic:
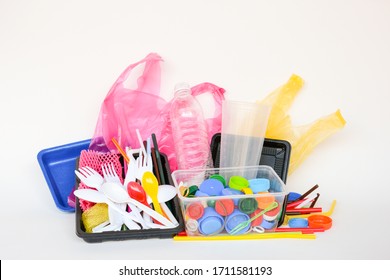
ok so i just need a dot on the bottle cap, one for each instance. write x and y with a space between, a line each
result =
256 222
190 191
293 196
265 200
211 187
236 218
211 203
268 224
272 214
211 222
259 185
247 190
224 207
247 205
192 225
320 221
200 194
298 223
238 182
219 178
230 191
195 210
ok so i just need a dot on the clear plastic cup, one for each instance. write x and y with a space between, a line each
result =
242 133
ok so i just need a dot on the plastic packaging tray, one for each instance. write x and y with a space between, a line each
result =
58 165
275 153
173 204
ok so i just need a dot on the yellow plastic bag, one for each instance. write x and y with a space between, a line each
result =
303 139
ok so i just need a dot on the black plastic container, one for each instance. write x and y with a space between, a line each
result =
135 234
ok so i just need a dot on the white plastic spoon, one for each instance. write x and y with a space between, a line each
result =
98 197
117 194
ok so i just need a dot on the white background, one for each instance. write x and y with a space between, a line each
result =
58 60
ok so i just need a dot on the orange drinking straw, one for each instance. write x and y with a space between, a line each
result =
120 150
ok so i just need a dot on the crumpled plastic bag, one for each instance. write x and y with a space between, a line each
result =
303 139
125 110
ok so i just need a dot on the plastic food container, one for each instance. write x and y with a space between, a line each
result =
216 204
173 205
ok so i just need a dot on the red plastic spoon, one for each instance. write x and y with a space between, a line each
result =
137 192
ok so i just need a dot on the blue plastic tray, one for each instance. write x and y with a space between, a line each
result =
58 165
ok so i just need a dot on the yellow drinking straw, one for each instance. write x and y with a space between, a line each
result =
293 235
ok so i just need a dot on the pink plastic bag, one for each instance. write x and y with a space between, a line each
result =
124 110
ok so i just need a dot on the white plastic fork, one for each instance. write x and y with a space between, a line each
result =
90 177
110 175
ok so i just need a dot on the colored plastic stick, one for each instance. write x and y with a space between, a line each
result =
120 150
276 235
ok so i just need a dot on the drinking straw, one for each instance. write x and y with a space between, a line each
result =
120 150
159 164
273 235
328 213
303 230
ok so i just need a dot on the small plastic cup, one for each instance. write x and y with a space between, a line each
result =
242 133
211 222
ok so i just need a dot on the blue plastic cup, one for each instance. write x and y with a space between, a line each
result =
211 222
236 218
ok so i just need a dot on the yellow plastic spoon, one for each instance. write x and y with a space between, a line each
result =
150 185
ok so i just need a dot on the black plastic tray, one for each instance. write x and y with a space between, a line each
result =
275 153
173 205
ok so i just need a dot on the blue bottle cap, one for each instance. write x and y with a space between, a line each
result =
236 218
259 185
298 223
230 191
211 222
293 196
268 224
219 178
211 187
199 193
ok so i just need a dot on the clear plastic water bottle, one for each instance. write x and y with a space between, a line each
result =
189 130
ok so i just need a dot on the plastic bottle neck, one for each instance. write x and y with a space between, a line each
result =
182 90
